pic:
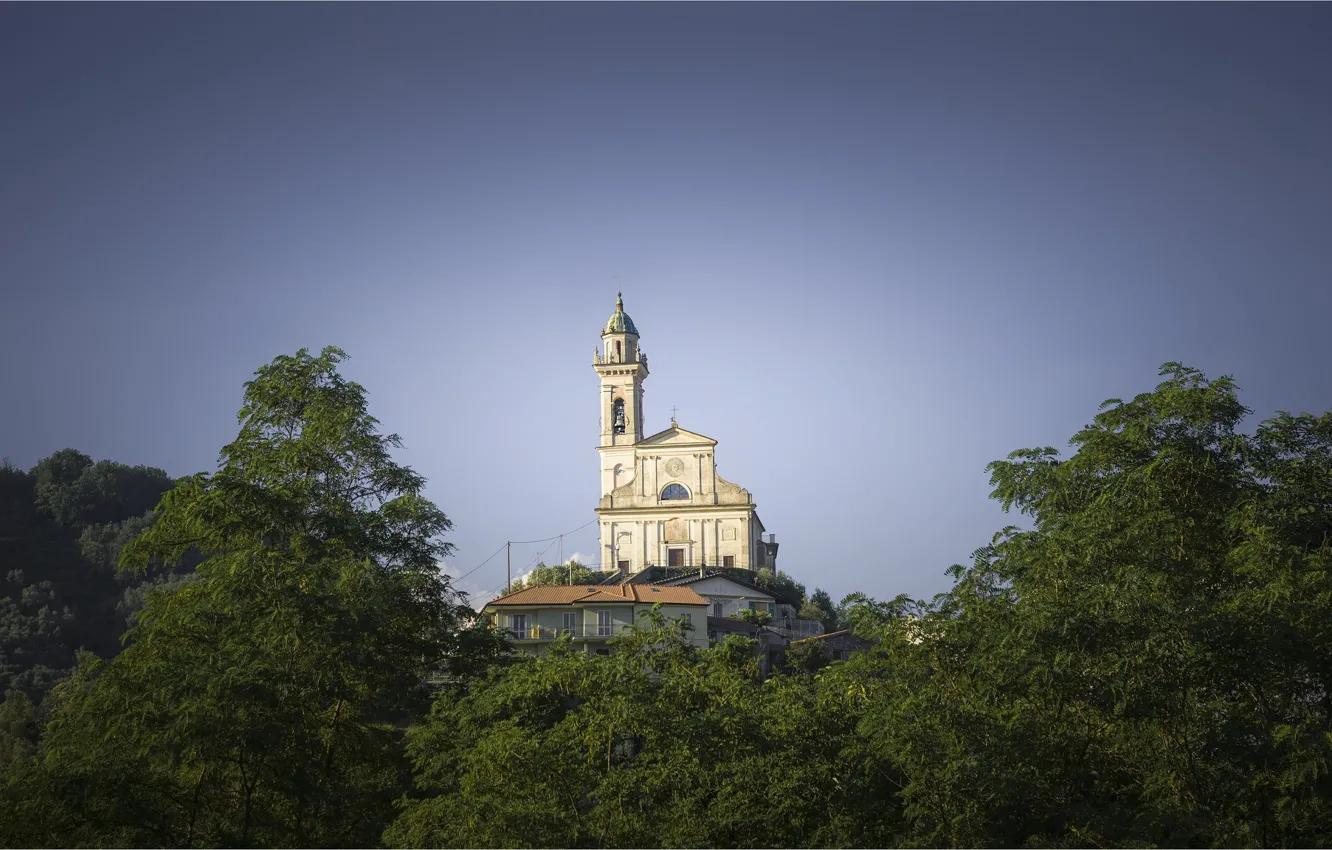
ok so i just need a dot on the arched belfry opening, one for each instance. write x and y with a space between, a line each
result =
617 416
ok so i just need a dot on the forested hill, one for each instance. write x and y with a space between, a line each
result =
62 525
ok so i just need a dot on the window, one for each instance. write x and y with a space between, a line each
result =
674 491
675 557
519 623
689 619
623 565
603 652
717 609
772 608
570 622
618 353
617 416
603 623
728 561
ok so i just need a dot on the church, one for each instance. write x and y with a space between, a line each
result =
662 502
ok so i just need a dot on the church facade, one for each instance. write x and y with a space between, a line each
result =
663 503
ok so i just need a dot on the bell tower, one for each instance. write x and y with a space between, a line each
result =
622 367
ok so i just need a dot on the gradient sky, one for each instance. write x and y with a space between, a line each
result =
870 248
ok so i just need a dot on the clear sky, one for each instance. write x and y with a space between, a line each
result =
870 248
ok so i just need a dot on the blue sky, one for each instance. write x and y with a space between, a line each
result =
870 248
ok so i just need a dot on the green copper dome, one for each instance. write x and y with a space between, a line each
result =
620 323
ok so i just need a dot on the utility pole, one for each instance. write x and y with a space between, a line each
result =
508 568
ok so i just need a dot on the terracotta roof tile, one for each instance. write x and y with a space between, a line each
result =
664 595
599 595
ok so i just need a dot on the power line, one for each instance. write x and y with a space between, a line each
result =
482 564
557 536
511 542
496 588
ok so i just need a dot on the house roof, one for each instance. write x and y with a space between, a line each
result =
602 594
693 578
736 575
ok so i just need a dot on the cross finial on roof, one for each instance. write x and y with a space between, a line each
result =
673 412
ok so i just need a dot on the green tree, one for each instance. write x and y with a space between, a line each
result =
660 744
806 656
749 615
572 572
74 491
781 585
61 526
1148 664
828 612
255 705
49 597
19 731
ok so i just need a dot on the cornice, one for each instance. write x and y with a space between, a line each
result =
677 510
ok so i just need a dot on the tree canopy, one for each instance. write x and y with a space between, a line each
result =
264 693
62 524
1147 661
570 572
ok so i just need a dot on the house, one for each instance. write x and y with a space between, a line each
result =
590 614
728 594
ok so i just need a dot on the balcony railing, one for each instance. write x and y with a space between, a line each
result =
533 633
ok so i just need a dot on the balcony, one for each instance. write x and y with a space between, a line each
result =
538 633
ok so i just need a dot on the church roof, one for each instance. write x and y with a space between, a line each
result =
619 322
559 594
677 436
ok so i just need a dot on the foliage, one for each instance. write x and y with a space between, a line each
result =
829 614
571 572
264 693
1149 663
75 492
61 525
786 589
747 615
1146 666
807 656
19 731
659 744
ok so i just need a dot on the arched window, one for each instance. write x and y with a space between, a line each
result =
617 416
674 491
618 354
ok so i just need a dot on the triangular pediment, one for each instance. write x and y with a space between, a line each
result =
677 436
